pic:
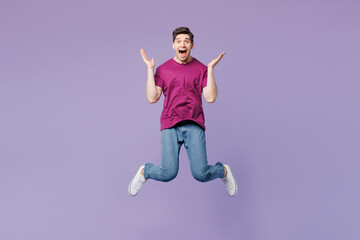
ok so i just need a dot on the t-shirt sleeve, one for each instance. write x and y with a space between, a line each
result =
204 80
158 80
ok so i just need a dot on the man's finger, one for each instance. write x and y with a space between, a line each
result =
220 56
142 52
144 55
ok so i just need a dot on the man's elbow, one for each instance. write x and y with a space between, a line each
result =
210 100
152 101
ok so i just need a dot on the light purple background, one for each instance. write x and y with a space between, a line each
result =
75 124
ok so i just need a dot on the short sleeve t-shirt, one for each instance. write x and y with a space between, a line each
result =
182 86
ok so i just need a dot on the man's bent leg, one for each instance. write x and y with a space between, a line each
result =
169 167
195 145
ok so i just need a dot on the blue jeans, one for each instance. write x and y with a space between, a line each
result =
193 137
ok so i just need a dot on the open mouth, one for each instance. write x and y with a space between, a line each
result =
182 53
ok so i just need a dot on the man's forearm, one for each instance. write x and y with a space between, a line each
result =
151 91
210 91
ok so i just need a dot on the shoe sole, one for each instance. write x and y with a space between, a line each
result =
129 187
236 187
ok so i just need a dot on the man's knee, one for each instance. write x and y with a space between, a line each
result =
168 175
200 176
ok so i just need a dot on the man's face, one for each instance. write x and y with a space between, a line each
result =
182 46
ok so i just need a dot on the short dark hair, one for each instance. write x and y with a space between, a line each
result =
183 30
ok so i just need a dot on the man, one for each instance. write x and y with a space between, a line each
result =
182 79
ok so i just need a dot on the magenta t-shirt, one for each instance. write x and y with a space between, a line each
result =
182 86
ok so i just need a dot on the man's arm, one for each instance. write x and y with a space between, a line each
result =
210 91
153 92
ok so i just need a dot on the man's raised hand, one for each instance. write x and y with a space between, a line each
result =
215 61
149 64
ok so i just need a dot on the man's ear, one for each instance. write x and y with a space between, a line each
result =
192 45
173 45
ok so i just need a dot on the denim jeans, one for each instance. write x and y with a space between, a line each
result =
193 137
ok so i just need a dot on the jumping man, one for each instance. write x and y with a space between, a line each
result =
182 80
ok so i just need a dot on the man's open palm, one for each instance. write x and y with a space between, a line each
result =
149 64
215 61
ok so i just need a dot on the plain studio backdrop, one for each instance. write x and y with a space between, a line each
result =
75 124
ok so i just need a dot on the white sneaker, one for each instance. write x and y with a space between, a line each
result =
136 182
230 183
